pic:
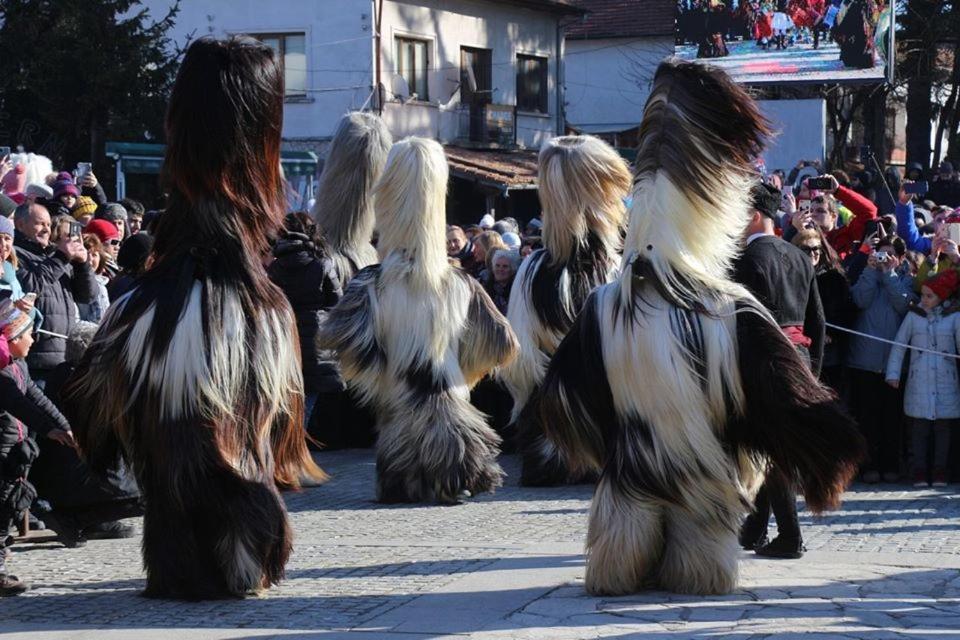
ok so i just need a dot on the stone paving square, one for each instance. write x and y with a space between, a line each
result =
510 565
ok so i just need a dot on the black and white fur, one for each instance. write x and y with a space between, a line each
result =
674 383
582 183
414 336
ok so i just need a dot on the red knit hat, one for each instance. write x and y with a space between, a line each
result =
103 229
944 284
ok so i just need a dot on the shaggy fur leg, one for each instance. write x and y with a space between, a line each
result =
624 541
700 554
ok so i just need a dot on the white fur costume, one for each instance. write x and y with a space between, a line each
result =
674 383
582 184
414 335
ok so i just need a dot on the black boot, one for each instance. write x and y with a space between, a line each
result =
67 529
782 547
11 585
108 531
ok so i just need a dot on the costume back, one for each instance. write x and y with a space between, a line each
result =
193 375
414 335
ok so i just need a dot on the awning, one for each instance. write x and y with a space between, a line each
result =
503 170
146 158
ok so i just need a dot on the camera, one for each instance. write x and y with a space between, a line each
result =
881 256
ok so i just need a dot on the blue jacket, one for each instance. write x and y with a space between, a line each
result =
932 391
907 229
883 298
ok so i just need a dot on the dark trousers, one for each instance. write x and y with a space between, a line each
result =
338 421
920 434
878 409
776 494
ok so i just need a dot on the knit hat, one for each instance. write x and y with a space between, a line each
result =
65 187
944 284
511 239
6 226
134 251
946 167
111 211
85 207
13 322
103 229
7 206
765 199
535 223
15 180
487 221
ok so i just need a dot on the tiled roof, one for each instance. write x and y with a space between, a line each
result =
624 19
502 169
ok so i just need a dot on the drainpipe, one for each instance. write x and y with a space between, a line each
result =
561 126
378 21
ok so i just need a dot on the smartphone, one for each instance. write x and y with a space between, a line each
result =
874 227
953 231
819 184
865 154
4 152
918 188
83 168
76 230
803 206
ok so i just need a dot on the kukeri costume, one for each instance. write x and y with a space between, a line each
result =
674 383
414 335
194 374
582 186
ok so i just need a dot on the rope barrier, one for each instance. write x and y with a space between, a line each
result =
893 342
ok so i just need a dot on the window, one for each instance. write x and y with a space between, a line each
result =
413 62
475 76
292 50
532 84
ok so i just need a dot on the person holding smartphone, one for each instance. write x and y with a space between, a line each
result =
826 194
52 264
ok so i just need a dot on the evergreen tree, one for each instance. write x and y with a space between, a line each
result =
75 72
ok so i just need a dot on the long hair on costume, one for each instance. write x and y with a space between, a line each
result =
344 211
692 179
582 183
411 211
195 372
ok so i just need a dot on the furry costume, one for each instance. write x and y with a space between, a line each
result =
674 383
344 208
414 335
582 185
194 374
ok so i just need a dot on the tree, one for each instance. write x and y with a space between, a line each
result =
78 71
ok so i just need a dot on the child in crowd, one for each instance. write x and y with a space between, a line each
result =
932 397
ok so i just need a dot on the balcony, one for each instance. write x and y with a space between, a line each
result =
487 126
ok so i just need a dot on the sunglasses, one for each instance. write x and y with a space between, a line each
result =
113 242
810 250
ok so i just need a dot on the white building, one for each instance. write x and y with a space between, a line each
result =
436 58
611 56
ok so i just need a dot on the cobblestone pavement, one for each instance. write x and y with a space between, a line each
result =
510 565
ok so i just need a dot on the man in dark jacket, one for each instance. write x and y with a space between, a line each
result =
782 278
945 189
60 276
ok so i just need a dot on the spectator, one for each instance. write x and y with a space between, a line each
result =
459 248
86 506
65 192
9 285
305 272
882 293
512 240
472 231
115 213
135 212
109 236
133 259
914 172
932 394
534 228
838 307
23 407
83 210
483 247
824 212
60 276
487 222
530 244
945 188
504 265
93 311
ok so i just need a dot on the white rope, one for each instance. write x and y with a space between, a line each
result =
51 333
894 342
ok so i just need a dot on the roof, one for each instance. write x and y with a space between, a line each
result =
501 169
624 19
556 6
